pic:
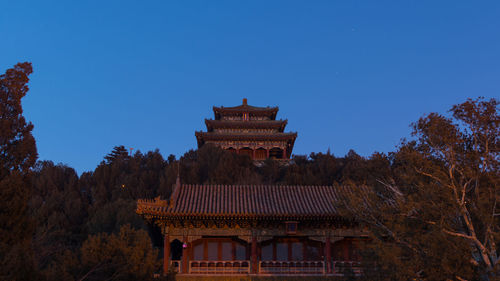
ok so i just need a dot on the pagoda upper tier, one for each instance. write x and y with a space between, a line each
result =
235 112
249 130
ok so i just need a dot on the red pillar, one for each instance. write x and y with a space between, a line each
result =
284 153
347 245
166 254
267 153
253 257
184 265
253 154
328 254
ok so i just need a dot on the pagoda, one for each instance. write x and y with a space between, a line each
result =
249 130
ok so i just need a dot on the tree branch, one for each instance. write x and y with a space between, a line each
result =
458 234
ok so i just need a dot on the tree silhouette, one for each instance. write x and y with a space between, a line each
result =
437 217
119 153
17 155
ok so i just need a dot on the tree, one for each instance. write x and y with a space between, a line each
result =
461 158
59 212
127 255
119 153
17 156
438 216
213 165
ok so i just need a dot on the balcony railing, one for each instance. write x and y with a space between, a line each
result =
219 267
339 268
292 267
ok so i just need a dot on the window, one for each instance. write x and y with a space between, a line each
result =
227 251
198 252
267 252
291 227
291 249
212 248
282 251
240 252
215 249
297 251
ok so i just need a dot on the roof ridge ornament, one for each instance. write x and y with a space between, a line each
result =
245 101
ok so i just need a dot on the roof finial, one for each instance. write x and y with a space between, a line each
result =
245 101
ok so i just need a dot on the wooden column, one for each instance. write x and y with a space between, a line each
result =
328 255
267 153
166 254
184 262
284 153
253 154
253 257
347 245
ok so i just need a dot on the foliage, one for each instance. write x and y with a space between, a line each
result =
127 255
437 216
212 165
17 155
59 209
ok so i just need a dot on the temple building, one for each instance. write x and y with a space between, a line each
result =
249 130
255 230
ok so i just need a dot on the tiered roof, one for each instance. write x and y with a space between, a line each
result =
259 124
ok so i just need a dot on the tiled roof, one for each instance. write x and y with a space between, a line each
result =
214 124
245 108
248 201
255 110
245 136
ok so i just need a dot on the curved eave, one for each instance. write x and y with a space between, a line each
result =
218 124
204 136
165 215
253 110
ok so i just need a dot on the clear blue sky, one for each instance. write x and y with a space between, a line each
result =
145 74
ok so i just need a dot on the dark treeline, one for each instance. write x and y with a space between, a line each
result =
70 212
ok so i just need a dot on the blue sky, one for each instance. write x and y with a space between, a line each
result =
145 74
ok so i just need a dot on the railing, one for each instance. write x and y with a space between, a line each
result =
339 268
175 266
219 267
292 267
346 267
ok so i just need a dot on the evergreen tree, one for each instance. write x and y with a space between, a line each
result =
17 155
59 211
119 153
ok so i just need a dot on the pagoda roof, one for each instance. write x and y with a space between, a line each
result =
204 136
251 201
245 108
254 124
